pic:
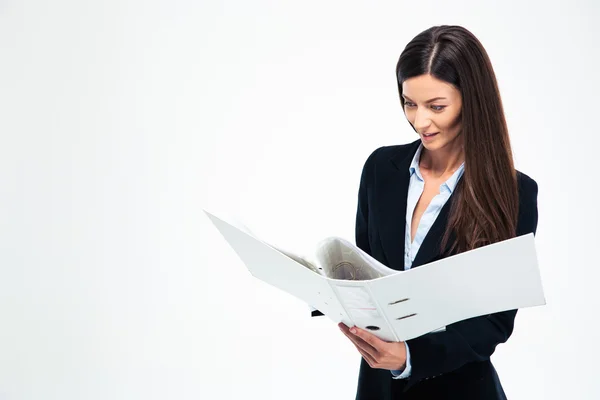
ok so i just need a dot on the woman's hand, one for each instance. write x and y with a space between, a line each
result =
376 352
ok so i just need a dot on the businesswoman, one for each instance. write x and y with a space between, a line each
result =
452 190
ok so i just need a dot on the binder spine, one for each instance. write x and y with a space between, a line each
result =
362 308
383 312
347 317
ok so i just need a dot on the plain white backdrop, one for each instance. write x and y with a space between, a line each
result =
120 120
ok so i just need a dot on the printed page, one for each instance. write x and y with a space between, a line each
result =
340 259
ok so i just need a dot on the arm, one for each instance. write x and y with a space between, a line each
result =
362 211
474 339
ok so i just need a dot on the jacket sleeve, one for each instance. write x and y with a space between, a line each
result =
362 210
474 339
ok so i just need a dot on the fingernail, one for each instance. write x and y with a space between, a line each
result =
353 330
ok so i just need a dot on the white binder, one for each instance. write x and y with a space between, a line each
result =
349 286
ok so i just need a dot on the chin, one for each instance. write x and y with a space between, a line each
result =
432 146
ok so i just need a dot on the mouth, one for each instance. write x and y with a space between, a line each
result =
429 135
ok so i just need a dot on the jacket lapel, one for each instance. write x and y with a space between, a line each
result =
430 248
392 201
392 215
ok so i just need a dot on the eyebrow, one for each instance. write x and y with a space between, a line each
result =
428 101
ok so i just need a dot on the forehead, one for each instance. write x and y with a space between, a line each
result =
425 87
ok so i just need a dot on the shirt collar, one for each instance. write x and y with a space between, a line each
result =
450 183
414 164
453 180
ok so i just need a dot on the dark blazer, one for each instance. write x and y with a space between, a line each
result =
454 364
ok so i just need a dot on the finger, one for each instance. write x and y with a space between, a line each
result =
344 328
357 339
366 348
372 363
363 346
369 338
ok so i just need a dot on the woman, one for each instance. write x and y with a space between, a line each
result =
452 190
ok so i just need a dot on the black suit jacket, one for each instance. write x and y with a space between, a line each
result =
454 364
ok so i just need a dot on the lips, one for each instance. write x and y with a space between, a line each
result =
429 136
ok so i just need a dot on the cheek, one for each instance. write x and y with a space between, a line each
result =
450 123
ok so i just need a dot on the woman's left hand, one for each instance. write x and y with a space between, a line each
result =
376 352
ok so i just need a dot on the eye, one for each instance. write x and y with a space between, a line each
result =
438 108
408 104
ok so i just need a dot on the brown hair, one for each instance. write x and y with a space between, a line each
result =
485 203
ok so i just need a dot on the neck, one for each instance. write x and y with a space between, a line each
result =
443 161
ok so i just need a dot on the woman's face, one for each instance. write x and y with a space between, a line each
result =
433 106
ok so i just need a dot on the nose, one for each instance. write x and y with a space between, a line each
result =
421 121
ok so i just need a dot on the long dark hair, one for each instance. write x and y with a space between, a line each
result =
485 204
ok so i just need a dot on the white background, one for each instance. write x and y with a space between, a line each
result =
120 120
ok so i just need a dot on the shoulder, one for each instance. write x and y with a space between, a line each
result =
528 187
528 212
385 154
